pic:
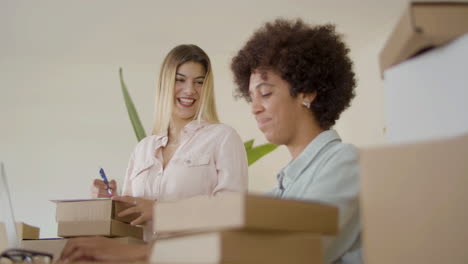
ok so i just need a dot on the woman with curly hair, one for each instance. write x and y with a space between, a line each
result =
299 79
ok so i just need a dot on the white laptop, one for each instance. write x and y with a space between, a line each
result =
12 247
6 211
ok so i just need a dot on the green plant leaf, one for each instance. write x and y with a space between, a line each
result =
255 153
132 112
248 144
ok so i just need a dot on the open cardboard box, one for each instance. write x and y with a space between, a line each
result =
414 202
424 25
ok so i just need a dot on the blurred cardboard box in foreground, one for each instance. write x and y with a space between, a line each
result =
414 202
246 247
242 228
245 212
426 95
424 25
54 246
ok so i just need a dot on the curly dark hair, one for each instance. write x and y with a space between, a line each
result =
310 58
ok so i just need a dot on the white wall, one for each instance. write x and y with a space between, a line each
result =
432 89
61 109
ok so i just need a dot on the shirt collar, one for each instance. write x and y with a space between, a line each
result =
194 125
298 165
161 139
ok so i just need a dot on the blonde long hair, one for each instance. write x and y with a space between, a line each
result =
164 101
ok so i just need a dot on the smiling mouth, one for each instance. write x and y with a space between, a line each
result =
262 122
186 102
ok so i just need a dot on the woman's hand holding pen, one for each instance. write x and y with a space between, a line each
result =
141 206
99 189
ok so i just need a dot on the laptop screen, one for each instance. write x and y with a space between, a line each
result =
6 211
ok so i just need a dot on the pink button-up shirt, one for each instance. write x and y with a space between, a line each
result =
210 159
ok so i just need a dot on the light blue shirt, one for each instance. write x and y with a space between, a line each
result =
327 171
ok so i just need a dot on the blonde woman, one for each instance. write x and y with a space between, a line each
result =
189 152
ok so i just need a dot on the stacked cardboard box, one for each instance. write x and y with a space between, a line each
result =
241 228
423 26
424 64
94 217
413 198
414 202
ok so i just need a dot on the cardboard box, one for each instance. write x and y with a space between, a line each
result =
3 238
94 217
55 246
239 247
414 202
426 97
26 231
424 26
242 211
109 228
91 210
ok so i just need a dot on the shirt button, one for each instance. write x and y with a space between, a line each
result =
188 162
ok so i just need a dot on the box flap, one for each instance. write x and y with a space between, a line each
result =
119 207
120 229
424 25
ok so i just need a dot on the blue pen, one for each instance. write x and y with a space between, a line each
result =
104 178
